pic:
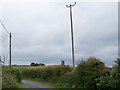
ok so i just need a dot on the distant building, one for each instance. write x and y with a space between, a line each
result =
62 62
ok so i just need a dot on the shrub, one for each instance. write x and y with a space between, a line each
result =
90 70
85 75
15 71
69 80
9 81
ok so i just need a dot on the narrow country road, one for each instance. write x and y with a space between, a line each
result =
31 85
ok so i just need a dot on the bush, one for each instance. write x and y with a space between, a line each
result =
17 73
85 75
9 81
69 80
90 70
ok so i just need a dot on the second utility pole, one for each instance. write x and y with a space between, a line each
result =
10 51
9 44
72 37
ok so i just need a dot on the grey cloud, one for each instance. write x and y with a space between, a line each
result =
42 30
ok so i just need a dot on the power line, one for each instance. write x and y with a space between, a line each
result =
4 27
10 36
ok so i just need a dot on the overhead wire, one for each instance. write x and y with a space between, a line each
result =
4 27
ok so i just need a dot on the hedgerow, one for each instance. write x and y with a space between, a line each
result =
11 80
45 72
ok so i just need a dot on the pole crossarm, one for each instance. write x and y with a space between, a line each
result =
71 5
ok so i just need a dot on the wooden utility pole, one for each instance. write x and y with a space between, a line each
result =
10 51
72 37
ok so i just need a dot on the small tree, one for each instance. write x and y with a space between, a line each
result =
36 64
32 64
41 64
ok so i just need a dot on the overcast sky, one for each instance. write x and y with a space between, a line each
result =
41 31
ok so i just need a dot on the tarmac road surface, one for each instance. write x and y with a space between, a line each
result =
31 85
